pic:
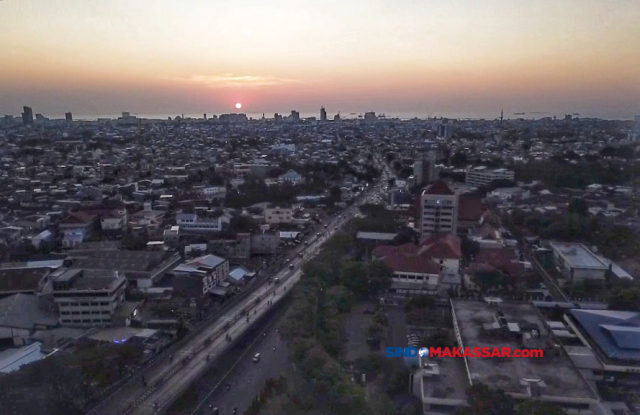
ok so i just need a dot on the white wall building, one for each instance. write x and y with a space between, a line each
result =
576 262
483 176
439 210
214 192
85 299
115 221
192 222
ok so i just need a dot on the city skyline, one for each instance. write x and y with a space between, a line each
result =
403 57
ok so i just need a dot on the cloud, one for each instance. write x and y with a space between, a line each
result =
230 80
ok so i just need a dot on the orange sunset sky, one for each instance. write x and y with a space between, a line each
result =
99 57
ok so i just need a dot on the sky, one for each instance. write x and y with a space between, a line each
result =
428 57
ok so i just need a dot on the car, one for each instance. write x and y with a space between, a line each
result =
276 280
256 358
290 266
326 226
318 234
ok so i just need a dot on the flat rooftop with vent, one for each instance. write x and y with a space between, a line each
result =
519 326
577 262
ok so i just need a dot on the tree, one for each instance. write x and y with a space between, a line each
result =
335 192
243 224
486 401
539 408
488 279
579 206
420 302
608 151
380 276
381 318
375 330
459 159
469 248
625 299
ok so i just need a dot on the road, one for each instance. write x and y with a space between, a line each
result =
170 377
246 378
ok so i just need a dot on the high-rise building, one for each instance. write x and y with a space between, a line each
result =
68 116
445 129
438 210
424 169
127 115
295 116
27 115
336 117
323 114
370 117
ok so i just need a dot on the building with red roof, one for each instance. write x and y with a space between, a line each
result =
420 269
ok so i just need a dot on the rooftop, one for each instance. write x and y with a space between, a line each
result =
438 188
16 280
578 256
616 333
556 371
378 236
12 359
25 311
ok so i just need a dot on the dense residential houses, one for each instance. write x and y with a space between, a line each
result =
99 232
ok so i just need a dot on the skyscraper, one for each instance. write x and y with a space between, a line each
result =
424 169
27 115
370 117
295 116
68 116
445 129
323 114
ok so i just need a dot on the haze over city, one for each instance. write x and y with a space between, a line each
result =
405 57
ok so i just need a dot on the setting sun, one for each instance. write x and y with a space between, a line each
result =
238 105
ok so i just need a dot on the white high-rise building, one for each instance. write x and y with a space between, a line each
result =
439 210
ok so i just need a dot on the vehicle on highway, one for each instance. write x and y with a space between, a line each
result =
290 266
256 358
318 234
326 226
